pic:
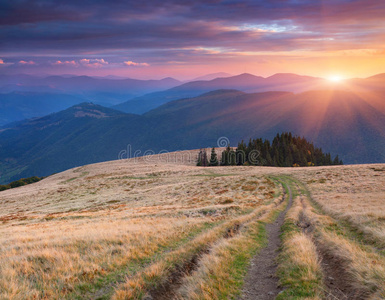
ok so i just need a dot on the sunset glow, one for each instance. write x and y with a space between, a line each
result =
206 149
184 40
335 78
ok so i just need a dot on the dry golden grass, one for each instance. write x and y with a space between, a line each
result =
366 268
343 224
232 235
353 193
127 224
363 264
58 237
220 272
299 264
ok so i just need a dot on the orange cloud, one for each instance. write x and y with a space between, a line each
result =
23 62
93 63
62 63
5 64
135 64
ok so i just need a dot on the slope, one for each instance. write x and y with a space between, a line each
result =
344 123
17 106
243 82
82 134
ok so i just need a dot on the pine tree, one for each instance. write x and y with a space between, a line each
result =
337 161
213 159
205 161
269 161
286 150
232 158
225 160
200 157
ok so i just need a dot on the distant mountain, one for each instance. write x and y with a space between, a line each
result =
345 123
107 91
26 96
377 77
212 76
113 77
82 134
17 106
293 82
243 82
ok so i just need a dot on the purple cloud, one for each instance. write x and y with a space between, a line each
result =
156 32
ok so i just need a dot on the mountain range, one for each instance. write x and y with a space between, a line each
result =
251 84
36 96
243 82
26 96
350 124
17 106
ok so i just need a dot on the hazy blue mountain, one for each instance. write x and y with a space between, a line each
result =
26 96
341 122
251 84
17 106
82 134
243 82
108 91
212 76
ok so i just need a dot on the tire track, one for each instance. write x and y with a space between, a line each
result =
261 282
336 277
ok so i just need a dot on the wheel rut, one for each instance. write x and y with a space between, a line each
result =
337 287
261 282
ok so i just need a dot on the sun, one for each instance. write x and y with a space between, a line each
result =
335 78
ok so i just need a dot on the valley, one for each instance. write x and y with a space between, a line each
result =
345 123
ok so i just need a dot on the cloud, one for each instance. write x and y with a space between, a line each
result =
85 62
5 64
23 62
65 63
78 33
93 63
135 64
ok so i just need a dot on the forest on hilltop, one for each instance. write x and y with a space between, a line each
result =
286 150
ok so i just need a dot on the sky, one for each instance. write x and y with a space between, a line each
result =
184 39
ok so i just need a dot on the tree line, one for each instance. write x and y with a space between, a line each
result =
20 182
286 150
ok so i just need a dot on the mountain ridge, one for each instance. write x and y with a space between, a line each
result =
340 122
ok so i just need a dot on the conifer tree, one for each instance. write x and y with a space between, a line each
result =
205 161
286 150
213 159
232 158
200 157
225 160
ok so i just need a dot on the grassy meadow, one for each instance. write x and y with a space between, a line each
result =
155 229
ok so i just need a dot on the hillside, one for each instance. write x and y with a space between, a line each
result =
341 122
154 227
82 134
26 96
212 76
243 82
251 84
17 106
344 123
105 88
